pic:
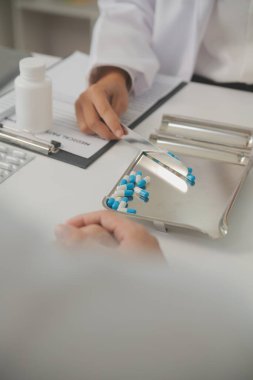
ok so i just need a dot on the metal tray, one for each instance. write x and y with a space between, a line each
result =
221 157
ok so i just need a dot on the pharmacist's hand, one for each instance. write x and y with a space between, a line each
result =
107 228
99 107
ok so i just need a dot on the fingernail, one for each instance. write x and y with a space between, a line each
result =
62 231
119 133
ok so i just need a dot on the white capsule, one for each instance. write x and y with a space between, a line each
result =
116 197
122 204
137 190
127 210
119 193
141 192
124 193
121 187
122 209
133 172
138 178
147 179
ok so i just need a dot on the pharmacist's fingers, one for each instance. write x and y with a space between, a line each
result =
80 118
94 123
106 113
120 103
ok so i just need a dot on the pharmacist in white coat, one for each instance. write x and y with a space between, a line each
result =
134 40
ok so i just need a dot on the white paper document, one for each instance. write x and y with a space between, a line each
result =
69 80
66 132
138 105
69 77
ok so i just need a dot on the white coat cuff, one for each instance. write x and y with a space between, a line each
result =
138 81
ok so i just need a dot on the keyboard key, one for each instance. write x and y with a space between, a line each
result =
3 173
11 160
19 154
6 166
3 148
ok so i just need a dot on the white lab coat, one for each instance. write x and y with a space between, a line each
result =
176 37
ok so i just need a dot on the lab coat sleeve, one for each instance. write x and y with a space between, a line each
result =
123 37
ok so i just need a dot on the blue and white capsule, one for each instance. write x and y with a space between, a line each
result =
123 203
127 186
127 210
113 202
173 156
115 205
191 179
124 180
132 177
141 192
116 197
124 193
143 182
138 176
110 202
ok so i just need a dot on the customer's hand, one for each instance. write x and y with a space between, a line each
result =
108 229
99 107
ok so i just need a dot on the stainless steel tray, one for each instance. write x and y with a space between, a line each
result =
221 157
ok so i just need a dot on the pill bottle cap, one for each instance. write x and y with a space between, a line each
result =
32 69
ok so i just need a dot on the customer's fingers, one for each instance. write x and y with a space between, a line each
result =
108 219
129 234
68 235
72 236
99 235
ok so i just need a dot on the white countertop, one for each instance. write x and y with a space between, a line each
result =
47 192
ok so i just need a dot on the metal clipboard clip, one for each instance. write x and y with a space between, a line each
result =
27 143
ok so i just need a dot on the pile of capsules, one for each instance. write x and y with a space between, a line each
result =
130 185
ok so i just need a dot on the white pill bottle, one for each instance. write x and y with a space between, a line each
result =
33 92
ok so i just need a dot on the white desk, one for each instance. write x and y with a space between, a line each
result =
47 192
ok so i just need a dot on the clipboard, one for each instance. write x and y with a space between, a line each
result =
73 62
53 149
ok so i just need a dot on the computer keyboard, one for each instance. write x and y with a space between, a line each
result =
12 159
